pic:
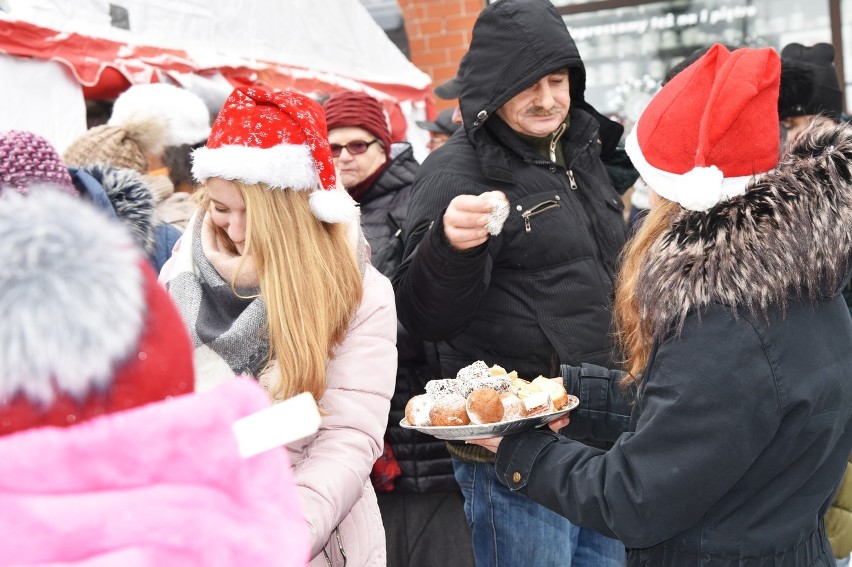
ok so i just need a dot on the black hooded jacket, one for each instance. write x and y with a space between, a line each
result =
538 294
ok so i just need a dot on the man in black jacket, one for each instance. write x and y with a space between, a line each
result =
421 506
536 295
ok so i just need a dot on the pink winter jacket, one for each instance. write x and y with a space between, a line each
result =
158 485
332 468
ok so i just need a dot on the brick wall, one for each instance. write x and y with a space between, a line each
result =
439 35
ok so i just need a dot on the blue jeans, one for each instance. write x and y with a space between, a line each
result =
511 531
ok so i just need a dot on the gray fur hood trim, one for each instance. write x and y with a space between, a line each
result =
789 236
132 200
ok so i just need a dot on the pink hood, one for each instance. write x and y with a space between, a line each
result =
162 484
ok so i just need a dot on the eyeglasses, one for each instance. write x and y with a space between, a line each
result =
355 147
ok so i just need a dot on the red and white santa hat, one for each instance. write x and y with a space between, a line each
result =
276 138
712 129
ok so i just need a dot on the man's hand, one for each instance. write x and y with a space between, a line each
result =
491 443
466 219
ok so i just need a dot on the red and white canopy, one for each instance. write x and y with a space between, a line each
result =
208 46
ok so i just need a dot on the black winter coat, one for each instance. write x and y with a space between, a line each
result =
538 294
742 423
424 460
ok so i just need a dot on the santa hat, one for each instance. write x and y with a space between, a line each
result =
279 139
711 129
87 330
186 116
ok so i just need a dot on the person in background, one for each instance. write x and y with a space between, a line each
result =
449 90
115 157
273 280
838 520
187 125
27 159
441 129
421 505
536 292
727 337
813 97
820 95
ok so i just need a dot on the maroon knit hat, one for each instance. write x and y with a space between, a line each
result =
27 159
358 110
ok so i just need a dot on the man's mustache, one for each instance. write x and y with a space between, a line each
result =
541 111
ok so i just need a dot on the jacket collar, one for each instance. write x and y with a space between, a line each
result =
788 236
498 141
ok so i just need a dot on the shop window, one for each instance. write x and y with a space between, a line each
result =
628 50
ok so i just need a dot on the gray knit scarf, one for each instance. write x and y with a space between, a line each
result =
233 326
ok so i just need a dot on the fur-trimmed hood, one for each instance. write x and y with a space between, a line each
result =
132 200
788 236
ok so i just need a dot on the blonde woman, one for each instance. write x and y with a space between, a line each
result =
736 336
273 280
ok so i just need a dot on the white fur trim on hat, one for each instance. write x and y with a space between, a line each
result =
71 296
696 190
333 205
286 166
185 114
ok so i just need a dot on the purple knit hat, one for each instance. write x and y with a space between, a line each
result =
27 159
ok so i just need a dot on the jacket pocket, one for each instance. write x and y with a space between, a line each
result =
333 552
538 209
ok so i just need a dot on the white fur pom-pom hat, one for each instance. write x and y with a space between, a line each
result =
87 330
184 113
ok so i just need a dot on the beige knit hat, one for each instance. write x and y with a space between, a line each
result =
123 146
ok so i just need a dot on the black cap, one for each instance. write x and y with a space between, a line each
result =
449 90
826 96
443 124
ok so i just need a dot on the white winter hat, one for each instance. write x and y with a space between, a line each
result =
185 114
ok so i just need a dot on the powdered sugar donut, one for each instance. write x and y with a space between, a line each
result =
484 406
417 410
449 410
513 406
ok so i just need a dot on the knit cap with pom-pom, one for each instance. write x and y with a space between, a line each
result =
28 160
127 146
87 330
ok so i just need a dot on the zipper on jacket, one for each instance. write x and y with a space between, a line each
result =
339 548
537 210
568 171
571 179
554 139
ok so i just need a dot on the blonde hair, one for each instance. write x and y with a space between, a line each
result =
631 325
309 280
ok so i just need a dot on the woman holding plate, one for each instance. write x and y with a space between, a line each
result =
737 339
